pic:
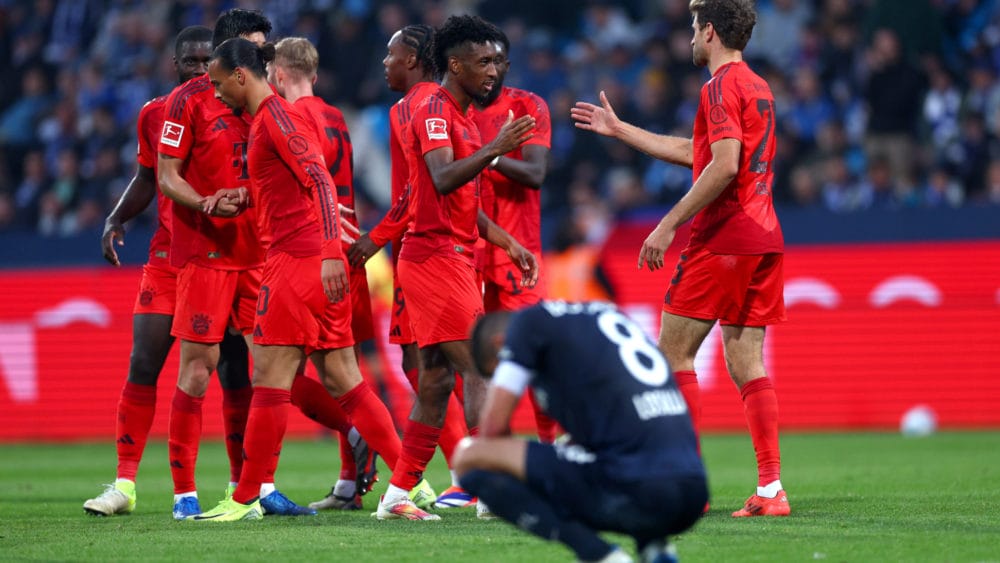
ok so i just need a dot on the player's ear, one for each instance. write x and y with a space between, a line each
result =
411 61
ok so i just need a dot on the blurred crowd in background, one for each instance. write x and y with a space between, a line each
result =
881 103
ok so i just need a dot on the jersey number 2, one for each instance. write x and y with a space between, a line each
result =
765 108
642 359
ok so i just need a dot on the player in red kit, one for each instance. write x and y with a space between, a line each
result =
292 74
304 307
512 200
202 150
731 270
155 303
409 68
436 267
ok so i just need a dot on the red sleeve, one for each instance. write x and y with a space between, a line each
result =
395 222
293 139
722 99
147 138
177 136
431 125
536 107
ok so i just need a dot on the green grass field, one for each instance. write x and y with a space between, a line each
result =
855 497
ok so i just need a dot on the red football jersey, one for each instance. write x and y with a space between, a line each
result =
149 126
212 142
295 194
738 104
516 208
442 224
396 221
331 131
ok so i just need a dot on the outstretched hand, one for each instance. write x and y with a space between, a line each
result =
348 233
600 119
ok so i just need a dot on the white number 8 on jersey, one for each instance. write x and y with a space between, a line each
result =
641 357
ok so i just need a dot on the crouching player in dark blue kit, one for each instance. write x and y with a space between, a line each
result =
632 467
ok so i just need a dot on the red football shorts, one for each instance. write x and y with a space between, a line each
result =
362 322
400 328
443 298
157 291
210 300
502 290
293 310
741 290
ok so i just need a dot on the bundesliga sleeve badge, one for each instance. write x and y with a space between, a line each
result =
172 133
437 128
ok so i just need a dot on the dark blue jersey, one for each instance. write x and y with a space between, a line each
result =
596 372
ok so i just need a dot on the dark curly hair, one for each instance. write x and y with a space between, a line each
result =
237 22
458 31
733 20
420 38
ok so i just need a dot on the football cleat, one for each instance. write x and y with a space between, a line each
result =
423 495
116 499
454 497
483 512
762 506
230 511
365 460
336 502
616 555
185 507
659 552
402 510
277 504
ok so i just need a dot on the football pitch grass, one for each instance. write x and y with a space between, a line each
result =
855 497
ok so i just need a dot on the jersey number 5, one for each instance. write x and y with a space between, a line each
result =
641 358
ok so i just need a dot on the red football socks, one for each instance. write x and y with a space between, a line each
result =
235 409
761 406
348 469
373 421
419 442
687 384
265 429
184 438
136 408
312 398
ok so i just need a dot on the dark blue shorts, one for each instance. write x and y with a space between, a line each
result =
645 509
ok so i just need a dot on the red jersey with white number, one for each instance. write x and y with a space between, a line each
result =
516 208
212 142
442 224
331 131
738 104
149 125
395 222
295 195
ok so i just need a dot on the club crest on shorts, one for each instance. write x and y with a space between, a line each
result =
200 323
146 296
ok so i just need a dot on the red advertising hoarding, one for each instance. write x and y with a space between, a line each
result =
873 330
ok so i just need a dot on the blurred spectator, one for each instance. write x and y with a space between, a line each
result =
777 36
941 109
810 109
879 189
28 192
56 208
991 194
19 121
894 93
972 153
805 189
840 193
942 190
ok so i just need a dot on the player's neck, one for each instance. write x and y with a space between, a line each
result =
297 90
723 58
461 97
256 94
414 79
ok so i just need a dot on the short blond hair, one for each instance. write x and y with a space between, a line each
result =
298 55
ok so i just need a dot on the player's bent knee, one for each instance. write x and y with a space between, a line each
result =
464 458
